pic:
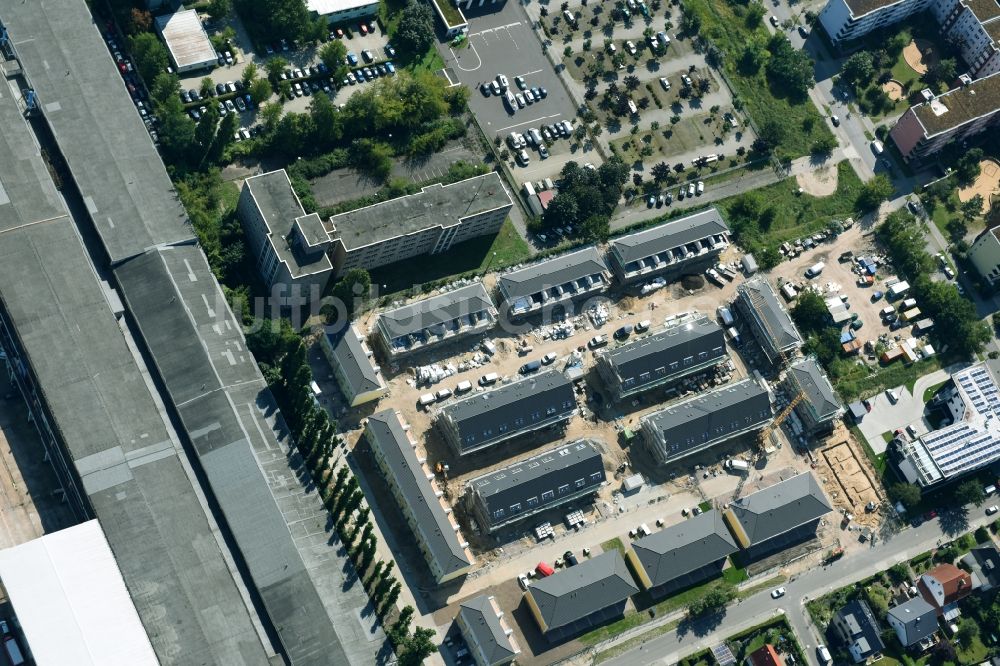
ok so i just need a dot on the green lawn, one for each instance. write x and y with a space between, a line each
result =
735 575
763 101
931 390
798 215
613 544
463 260
632 643
853 382
389 12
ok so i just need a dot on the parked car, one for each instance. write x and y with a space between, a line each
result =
701 188
549 358
893 395
777 593
990 510
502 80
623 332
570 559
597 341
690 191
523 581
664 83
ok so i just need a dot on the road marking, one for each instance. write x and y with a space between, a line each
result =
529 122
530 73
459 65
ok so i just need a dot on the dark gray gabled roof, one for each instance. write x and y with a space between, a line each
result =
811 379
669 235
499 410
411 480
919 619
777 509
658 351
107 149
546 471
232 423
684 547
712 416
574 593
765 303
565 268
984 562
862 626
436 310
358 366
481 619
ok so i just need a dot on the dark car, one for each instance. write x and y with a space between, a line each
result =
570 559
529 367
623 332
220 88
193 94
185 97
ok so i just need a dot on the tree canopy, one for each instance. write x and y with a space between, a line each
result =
415 32
789 67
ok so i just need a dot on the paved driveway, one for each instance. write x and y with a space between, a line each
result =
886 417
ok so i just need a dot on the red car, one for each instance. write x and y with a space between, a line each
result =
544 570
363 28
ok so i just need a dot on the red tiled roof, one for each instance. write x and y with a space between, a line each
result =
766 656
957 584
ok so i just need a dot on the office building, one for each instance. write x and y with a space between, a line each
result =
685 245
416 493
446 317
768 320
187 42
353 365
689 345
681 555
485 419
289 247
578 598
705 420
342 11
552 286
970 442
485 631
431 221
779 516
525 488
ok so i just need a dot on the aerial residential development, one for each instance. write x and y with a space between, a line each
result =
439 332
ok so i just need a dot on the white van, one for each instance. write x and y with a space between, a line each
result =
886 311
427 399
489 379
726 316
824 655
463 387
815 269
443 394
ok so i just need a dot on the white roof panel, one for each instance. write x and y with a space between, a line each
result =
71 601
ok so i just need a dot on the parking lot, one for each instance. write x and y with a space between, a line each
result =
502 42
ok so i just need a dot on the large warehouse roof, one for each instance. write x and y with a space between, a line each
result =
97 402
115 164
228 414
71 601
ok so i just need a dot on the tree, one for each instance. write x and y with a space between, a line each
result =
824 145
401 627
260 91
139 21
352 289
968 631
810 312
151 57
415 32
274 67
690 21
204 133
596 228
944 71
772 133
859 68
906 494
332 54
417 647
326 122
790 68
372 157
277 19
969 492
967 167
711 602
220 9
972 208
899 573
632 82
874 192
562 210
249 73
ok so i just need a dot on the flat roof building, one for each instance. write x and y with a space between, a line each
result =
187 42
430 518
681 555
552 283
768 320
590 594
353 365
105 436
289 247
779 516
124 185
690 344
971 442
820 406
482 625
486 419
339 11
449 316
678 246
428 222
71 602
525 488
705 420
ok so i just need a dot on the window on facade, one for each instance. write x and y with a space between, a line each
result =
514 508
498 513
532 501
547 495
580 483
563 489
596 476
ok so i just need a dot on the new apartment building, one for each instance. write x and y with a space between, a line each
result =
768 319
428 222
525 488
288 246
985 255
354 368
416 493
450 316
820 406
690 344
686 244
486 419
705 420
489 638
553 284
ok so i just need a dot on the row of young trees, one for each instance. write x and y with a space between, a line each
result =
281 354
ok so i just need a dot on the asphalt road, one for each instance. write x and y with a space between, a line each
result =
669 648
